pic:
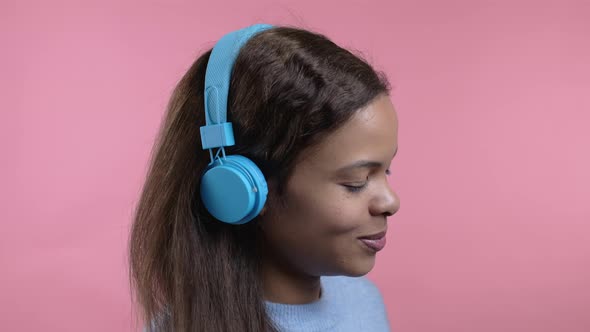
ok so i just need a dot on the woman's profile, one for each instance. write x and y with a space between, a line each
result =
217 246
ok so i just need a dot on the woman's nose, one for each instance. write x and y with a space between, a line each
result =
388 202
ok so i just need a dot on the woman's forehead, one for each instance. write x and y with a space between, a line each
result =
371 134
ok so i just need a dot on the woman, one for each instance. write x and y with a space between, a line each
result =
317 122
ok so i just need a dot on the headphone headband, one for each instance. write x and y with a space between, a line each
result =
218 132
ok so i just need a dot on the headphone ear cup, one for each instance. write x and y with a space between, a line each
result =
258 183
233 189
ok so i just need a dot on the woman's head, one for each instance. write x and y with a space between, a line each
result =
337 194
296 101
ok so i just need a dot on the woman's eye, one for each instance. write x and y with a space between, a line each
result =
355 189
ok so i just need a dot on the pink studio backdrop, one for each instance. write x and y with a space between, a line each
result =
493 99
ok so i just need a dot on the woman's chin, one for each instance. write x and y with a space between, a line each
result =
360 267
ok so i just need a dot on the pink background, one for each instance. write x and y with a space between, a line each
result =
493 99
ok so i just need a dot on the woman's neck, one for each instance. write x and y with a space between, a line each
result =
283 284
280 286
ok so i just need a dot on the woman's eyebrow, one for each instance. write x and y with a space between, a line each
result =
360 164
363 164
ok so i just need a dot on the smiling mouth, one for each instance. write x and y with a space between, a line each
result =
375 242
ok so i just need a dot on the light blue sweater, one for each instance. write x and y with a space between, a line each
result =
346 304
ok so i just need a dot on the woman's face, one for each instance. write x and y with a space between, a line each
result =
338 193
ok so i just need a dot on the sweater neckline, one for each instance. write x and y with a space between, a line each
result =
317 315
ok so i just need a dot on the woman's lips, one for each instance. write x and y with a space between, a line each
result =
375 242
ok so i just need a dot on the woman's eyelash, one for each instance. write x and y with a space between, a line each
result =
355 189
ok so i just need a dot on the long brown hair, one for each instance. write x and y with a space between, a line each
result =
289 88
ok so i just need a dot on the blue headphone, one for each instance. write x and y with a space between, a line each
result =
233 188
